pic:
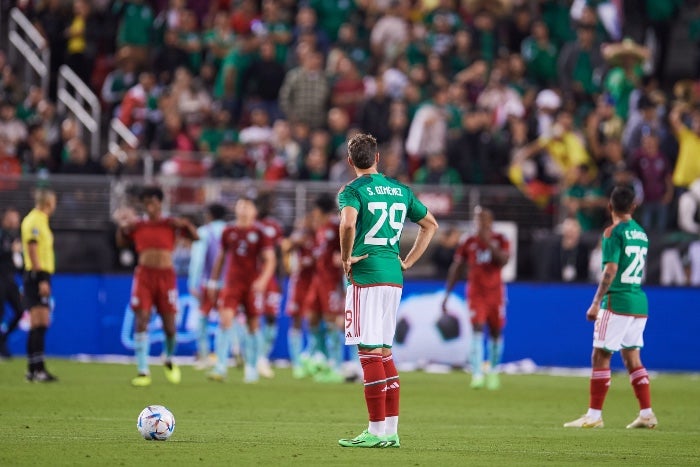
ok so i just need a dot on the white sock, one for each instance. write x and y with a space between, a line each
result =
392 425
377 428
595 414
646 412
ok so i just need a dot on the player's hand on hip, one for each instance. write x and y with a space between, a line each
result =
347 264
592 312
44 289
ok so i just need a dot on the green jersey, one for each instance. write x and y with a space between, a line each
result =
383 204
626 244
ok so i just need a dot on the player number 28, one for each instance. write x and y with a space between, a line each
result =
396 214
633 273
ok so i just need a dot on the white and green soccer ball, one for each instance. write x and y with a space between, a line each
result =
156 422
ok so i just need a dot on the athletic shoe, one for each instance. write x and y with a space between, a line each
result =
250 374
172 372
202 363
43 376
329 376
392 441
585 422
644 422
298 372
477 382
216 376
264 368
363 440
29 376
493 381
141 381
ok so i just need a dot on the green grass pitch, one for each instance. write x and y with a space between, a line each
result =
89 418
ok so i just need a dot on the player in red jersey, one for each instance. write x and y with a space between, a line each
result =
324 300
273 294
251 264
298 249
484 254
154 278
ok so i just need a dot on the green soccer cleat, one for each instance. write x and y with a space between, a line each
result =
329 376
298 372
363 440
478 382
141 381
392 441
493 381
172 372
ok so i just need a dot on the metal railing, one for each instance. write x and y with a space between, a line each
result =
27 42
83 103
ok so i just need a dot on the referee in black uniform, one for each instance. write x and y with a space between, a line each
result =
10 264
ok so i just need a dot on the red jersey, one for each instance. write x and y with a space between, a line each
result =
273 229
326 245
160 234
244 247
484 274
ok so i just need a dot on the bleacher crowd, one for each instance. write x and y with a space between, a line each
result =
557 97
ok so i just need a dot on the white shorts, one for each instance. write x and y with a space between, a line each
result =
370 315
613 332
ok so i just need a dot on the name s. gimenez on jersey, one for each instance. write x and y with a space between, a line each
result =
636 235
384 190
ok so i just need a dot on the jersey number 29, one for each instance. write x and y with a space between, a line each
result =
396 214
633 273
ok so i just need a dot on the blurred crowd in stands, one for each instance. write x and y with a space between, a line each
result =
557 97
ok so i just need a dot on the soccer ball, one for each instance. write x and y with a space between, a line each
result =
424 335
155 422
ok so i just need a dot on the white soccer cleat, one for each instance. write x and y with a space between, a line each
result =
585 422
264 368
644 422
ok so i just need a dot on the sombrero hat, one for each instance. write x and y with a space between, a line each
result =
615 53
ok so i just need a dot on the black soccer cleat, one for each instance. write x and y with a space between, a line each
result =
44 376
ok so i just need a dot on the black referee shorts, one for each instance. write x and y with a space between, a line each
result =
31 289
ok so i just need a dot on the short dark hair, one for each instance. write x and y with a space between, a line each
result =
151 191
362 148
264 204
326 203
216 211
622 199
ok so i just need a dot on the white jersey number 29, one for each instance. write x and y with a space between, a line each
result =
633 273
396 214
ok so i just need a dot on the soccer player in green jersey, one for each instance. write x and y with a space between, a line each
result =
373 209
619 309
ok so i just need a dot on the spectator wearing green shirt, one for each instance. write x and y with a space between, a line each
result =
219 40
540 55
580 66
333 13
136 28
585 200
626 75
437 172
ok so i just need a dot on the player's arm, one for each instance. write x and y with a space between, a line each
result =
348 222
457 269
675 118
427 228
187 228
499 253
268 269
609 273
213 282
